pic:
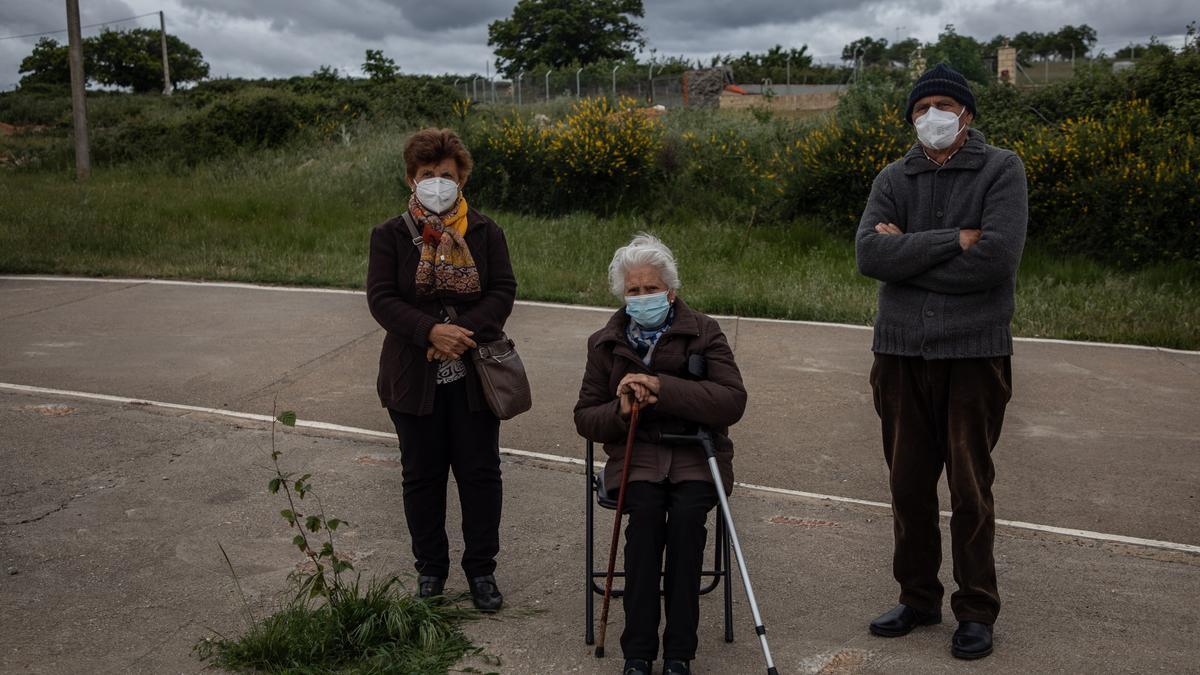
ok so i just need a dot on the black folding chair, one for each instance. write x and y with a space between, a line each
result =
718 576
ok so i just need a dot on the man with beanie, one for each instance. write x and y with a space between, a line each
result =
943 232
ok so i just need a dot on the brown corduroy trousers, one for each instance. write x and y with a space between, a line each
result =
934 413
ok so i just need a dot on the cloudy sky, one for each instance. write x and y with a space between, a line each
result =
267 38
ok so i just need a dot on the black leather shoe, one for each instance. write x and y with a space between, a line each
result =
676 667
636 667
901 621
972 640
485 594
428 587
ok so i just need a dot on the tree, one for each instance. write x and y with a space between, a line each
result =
49 63
961 52
874 50
133 59
379 67
557 33
118 58
1075 40
901 52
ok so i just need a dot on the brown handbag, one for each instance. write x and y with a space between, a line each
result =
501 372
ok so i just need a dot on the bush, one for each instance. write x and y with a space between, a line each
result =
829 170
599 158
1120 188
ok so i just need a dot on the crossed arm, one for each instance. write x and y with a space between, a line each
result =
951 260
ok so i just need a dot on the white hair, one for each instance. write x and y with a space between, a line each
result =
643 249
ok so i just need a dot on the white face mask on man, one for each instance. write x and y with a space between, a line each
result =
437 194
937 129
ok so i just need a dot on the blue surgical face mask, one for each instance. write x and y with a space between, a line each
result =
648 311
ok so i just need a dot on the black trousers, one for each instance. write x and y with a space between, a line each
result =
934 414
668 516
452 438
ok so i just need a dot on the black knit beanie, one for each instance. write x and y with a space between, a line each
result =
941 80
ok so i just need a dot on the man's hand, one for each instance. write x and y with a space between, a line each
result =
888 228
450 340
967 238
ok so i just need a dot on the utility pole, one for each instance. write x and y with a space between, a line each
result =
614 82
548 85
83 158
162 28
577 72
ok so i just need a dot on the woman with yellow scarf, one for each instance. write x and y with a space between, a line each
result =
426 379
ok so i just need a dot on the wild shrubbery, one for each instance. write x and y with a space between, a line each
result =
1111 157
220 117
600 157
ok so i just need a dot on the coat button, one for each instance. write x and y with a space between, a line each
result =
929 312
939 214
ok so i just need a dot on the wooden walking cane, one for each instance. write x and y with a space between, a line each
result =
616 534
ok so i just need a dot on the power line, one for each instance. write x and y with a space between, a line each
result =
105 23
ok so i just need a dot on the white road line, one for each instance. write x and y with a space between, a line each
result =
550 305
326 426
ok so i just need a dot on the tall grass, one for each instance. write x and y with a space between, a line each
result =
302 216
376 629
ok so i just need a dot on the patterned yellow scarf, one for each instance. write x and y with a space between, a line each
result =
446 265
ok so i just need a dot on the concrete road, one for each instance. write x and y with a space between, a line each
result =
110 512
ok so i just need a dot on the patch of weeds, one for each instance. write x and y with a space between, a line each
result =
331 625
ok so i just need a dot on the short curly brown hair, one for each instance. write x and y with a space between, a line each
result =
431 146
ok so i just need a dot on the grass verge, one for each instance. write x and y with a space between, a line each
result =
302 216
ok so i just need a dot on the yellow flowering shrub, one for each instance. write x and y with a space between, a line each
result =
1123 187
830 169
595 158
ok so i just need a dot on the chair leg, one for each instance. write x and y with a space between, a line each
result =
589 631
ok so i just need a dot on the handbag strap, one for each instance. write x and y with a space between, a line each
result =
416 241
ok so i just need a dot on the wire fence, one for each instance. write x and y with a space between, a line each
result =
664 90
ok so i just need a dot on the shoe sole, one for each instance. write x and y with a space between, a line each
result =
890 634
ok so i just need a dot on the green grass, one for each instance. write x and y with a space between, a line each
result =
377 629
302 216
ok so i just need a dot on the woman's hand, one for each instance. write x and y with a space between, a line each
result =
636 387
434 353
450 340
649 382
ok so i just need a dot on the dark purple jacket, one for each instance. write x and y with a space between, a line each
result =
406 381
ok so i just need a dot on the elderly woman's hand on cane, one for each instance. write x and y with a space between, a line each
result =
636 387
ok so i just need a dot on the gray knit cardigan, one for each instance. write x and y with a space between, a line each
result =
936 300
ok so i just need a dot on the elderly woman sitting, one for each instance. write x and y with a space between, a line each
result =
642 355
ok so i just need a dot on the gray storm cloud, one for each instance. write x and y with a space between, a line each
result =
272 38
